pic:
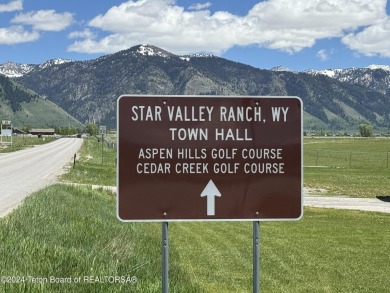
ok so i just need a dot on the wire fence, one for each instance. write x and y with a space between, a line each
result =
108 142
329 158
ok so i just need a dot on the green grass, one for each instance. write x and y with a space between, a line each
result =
347 152
91 168
70 232
326 251
344 181
352 167
20 143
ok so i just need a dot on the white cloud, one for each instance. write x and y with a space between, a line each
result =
85 34
200 6
322 55
373 40
45 20
12 6
110 44
16 35
278 24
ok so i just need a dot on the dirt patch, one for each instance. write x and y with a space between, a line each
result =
309 191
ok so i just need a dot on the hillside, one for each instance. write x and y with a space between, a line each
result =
89 89
26 108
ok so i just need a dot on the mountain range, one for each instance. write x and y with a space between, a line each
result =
338 99
376 77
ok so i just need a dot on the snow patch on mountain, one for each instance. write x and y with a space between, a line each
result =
53 62
369 76
336 73
328 72
148 50
199 55
11 69
375 66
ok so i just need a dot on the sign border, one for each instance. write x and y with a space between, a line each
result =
212 219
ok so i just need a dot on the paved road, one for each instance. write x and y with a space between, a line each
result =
26 171
348 203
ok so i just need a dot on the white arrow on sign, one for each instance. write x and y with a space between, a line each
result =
211 191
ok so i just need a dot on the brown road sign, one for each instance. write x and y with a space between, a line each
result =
183 158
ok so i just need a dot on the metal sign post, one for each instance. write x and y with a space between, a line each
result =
164 253
102 147
256 257
102 132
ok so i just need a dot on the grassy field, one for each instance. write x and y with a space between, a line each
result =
66 233
22 142
327 251
70 234
91 168
354 167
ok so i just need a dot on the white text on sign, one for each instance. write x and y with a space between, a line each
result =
206 114
256 161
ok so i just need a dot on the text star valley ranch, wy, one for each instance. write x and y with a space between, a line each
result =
206 114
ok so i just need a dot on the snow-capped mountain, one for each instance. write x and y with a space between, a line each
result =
376 77
11 69
53 62
149 50
89 89
328 72
383 67
337 72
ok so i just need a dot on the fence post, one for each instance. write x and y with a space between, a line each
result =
102 146
350 159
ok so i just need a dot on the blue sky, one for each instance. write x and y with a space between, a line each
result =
300 34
